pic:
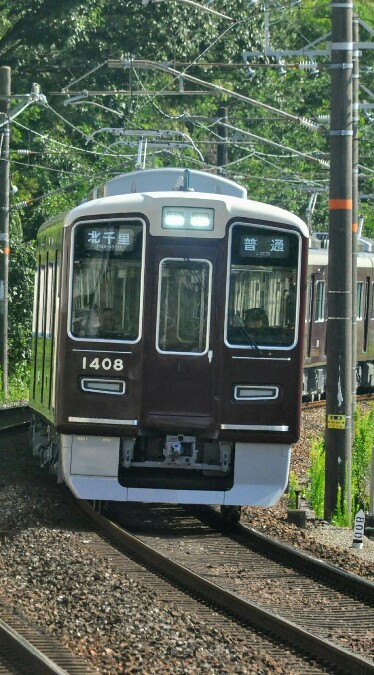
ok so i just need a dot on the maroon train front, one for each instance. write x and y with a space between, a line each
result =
167 361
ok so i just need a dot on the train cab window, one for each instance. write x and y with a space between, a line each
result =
320 300
183 309
107 280
263 282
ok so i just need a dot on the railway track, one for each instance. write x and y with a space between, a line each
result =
220 569
25 650
320 402
292 629
15 417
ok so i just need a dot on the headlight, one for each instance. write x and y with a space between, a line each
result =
187 218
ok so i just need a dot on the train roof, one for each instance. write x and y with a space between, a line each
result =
151 189
319 240
319 257
166 180
152 203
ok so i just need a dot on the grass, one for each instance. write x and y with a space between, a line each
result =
18 385
293 489
362 445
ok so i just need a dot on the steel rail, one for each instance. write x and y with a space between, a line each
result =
247 611
26 652
334 575
288 555
23 412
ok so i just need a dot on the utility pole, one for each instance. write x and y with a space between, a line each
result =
339 303
222 147
5 75
355 186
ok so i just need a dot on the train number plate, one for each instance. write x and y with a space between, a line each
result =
97 363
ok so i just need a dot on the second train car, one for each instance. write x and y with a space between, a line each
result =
167 351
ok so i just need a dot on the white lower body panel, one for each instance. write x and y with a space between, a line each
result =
89 467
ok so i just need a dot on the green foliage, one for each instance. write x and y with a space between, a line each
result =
293 488
361 459
65 48
361 468
21 284
18 385
340 517
316 487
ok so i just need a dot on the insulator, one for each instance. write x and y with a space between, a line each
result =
308 65
309 124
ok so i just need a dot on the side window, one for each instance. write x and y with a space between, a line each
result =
49 300
360 300
320 300
35 304
41 307
183 308
309 302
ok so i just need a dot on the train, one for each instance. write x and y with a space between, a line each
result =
314 377
169 321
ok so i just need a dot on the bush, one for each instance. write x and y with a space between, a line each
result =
316 488
18 384
361 470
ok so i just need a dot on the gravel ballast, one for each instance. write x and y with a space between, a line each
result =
49 572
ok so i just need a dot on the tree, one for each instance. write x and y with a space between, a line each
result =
65 48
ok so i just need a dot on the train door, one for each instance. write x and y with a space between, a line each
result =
179 359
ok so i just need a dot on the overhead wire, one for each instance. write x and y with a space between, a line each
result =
234 144
46 137
194 62
64 188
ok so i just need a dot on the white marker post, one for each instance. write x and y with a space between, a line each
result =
358 531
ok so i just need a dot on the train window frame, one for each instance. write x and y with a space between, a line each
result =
35 312
182 352
262 344
320 305
99 222
309 301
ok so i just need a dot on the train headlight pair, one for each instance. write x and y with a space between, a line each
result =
187 218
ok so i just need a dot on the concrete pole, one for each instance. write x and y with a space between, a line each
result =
5 76
339 302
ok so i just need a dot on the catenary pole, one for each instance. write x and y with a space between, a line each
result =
355 198
339 299
5 81
355 209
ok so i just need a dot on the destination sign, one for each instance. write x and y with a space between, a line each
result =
264 246
108 238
